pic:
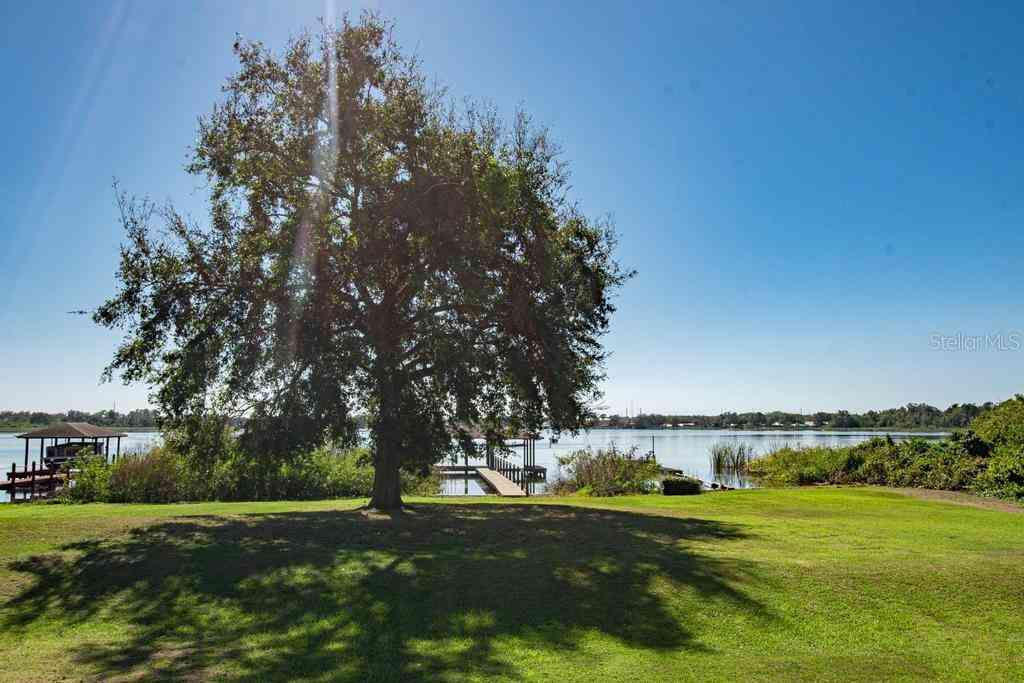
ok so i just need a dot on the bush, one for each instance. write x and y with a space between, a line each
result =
808 465
418 484
680 486
608 472
951 464
155 476
324 473
1004 476
91 482
162 475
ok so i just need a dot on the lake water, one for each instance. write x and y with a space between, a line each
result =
683 449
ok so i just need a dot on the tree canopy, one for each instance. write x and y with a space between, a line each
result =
369 246
1003 426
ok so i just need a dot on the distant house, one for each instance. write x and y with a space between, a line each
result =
810 423
777 424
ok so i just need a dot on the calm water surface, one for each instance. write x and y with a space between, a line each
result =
684 449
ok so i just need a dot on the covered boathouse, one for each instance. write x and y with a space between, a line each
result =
58 444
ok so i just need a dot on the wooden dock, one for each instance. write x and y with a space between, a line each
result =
33 483
500 483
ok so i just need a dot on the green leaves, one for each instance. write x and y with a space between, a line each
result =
367 249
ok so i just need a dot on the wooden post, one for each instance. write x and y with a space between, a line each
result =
526 462
26 454
116 457
34 474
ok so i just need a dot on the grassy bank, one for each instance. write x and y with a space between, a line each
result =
807 584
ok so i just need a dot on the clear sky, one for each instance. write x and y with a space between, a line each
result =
809 191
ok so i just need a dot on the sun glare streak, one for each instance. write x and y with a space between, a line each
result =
324 158
331 99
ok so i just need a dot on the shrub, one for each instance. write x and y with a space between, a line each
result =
151 477
1004 476
608 472
952 464
421 484
680 486
807 465
162 475
238 476
326 472
91 483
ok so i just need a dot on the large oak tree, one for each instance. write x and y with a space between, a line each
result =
368 248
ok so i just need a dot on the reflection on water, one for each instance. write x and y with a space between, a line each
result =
457 484
461 485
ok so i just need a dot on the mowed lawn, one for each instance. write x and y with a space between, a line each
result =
795 584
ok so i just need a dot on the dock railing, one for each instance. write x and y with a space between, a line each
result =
32 482
507 469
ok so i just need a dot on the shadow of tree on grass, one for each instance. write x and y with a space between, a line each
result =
442 591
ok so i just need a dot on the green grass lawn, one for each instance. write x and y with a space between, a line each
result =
797 584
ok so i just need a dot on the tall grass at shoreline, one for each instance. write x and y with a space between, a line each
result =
607 472
730 458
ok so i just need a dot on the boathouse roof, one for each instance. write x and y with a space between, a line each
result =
71 430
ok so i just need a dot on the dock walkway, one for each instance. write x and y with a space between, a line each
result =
500 483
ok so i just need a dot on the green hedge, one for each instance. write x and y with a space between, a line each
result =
162 475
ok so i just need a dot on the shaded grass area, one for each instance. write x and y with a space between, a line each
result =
825 584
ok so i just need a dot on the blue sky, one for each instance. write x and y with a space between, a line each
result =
809 191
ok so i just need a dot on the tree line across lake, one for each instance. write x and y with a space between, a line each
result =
141 418
909 417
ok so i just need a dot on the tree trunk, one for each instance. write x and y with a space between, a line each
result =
387 484
387 488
